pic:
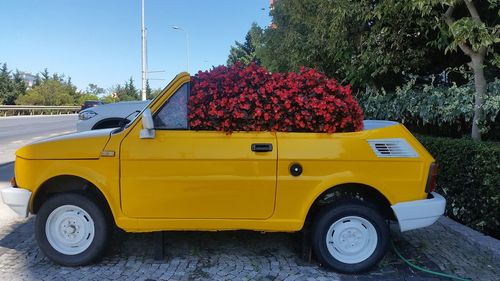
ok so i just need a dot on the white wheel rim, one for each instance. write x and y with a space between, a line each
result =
69 229
351 239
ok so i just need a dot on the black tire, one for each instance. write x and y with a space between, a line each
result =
333 215
101 224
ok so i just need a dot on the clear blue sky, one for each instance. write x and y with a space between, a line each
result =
98 41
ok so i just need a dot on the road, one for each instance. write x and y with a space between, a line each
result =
18 131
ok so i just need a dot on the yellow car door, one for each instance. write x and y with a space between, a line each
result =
183 174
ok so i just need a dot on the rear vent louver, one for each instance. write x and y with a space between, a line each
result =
392 148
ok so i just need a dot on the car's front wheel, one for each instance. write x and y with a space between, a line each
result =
350 236
71 229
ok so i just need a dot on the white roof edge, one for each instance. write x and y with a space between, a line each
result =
377 124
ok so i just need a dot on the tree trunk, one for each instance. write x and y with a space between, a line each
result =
480 88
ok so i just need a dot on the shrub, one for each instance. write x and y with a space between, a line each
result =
469 178
250 98
441 111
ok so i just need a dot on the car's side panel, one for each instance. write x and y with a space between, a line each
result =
192 175
329 160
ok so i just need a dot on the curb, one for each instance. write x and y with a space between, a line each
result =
485 243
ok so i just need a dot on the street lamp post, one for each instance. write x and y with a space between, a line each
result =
143 53
187 44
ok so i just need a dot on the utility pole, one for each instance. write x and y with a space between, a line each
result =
144 54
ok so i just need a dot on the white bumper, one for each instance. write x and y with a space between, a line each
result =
17 199
419 213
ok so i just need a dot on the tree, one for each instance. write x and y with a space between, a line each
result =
148 89
50 92
5 84
93 89
58 77
108 99
45 76
246 52
18 88
92 92
150 93
126 92
130 91
11 86
366 42
73 91
471 26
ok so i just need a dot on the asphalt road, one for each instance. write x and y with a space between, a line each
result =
16 132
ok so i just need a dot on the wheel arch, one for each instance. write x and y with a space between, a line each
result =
105 121
353 190
69 183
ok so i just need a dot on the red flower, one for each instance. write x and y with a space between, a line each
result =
250 98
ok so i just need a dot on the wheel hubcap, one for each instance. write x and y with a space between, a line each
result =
69 229
351 239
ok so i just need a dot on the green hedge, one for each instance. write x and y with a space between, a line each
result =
437 111
469 178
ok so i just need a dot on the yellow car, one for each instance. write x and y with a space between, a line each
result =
154 174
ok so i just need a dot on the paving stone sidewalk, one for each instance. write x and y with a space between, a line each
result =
237 255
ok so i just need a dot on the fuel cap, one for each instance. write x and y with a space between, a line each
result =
295 169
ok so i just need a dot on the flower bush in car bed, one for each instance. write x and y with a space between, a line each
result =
250 98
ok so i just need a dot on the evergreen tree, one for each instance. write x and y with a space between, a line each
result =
247 52
126 92
38 80
5 84
57 77
45 75
18 88
148 90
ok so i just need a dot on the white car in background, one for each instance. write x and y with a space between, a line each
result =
109 115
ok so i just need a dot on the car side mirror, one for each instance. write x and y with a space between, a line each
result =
148 127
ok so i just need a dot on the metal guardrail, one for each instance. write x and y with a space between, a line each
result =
16 110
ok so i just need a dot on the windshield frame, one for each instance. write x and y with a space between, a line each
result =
147 106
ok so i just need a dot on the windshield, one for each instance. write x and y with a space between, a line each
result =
147 106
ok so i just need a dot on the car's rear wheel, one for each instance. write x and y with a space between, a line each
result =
71 229
350 236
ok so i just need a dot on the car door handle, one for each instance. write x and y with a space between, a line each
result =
262 147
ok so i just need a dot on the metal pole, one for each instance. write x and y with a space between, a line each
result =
143 51
145 92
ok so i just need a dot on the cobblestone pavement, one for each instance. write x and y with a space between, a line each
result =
235 255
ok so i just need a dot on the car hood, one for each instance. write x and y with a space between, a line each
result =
83 145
